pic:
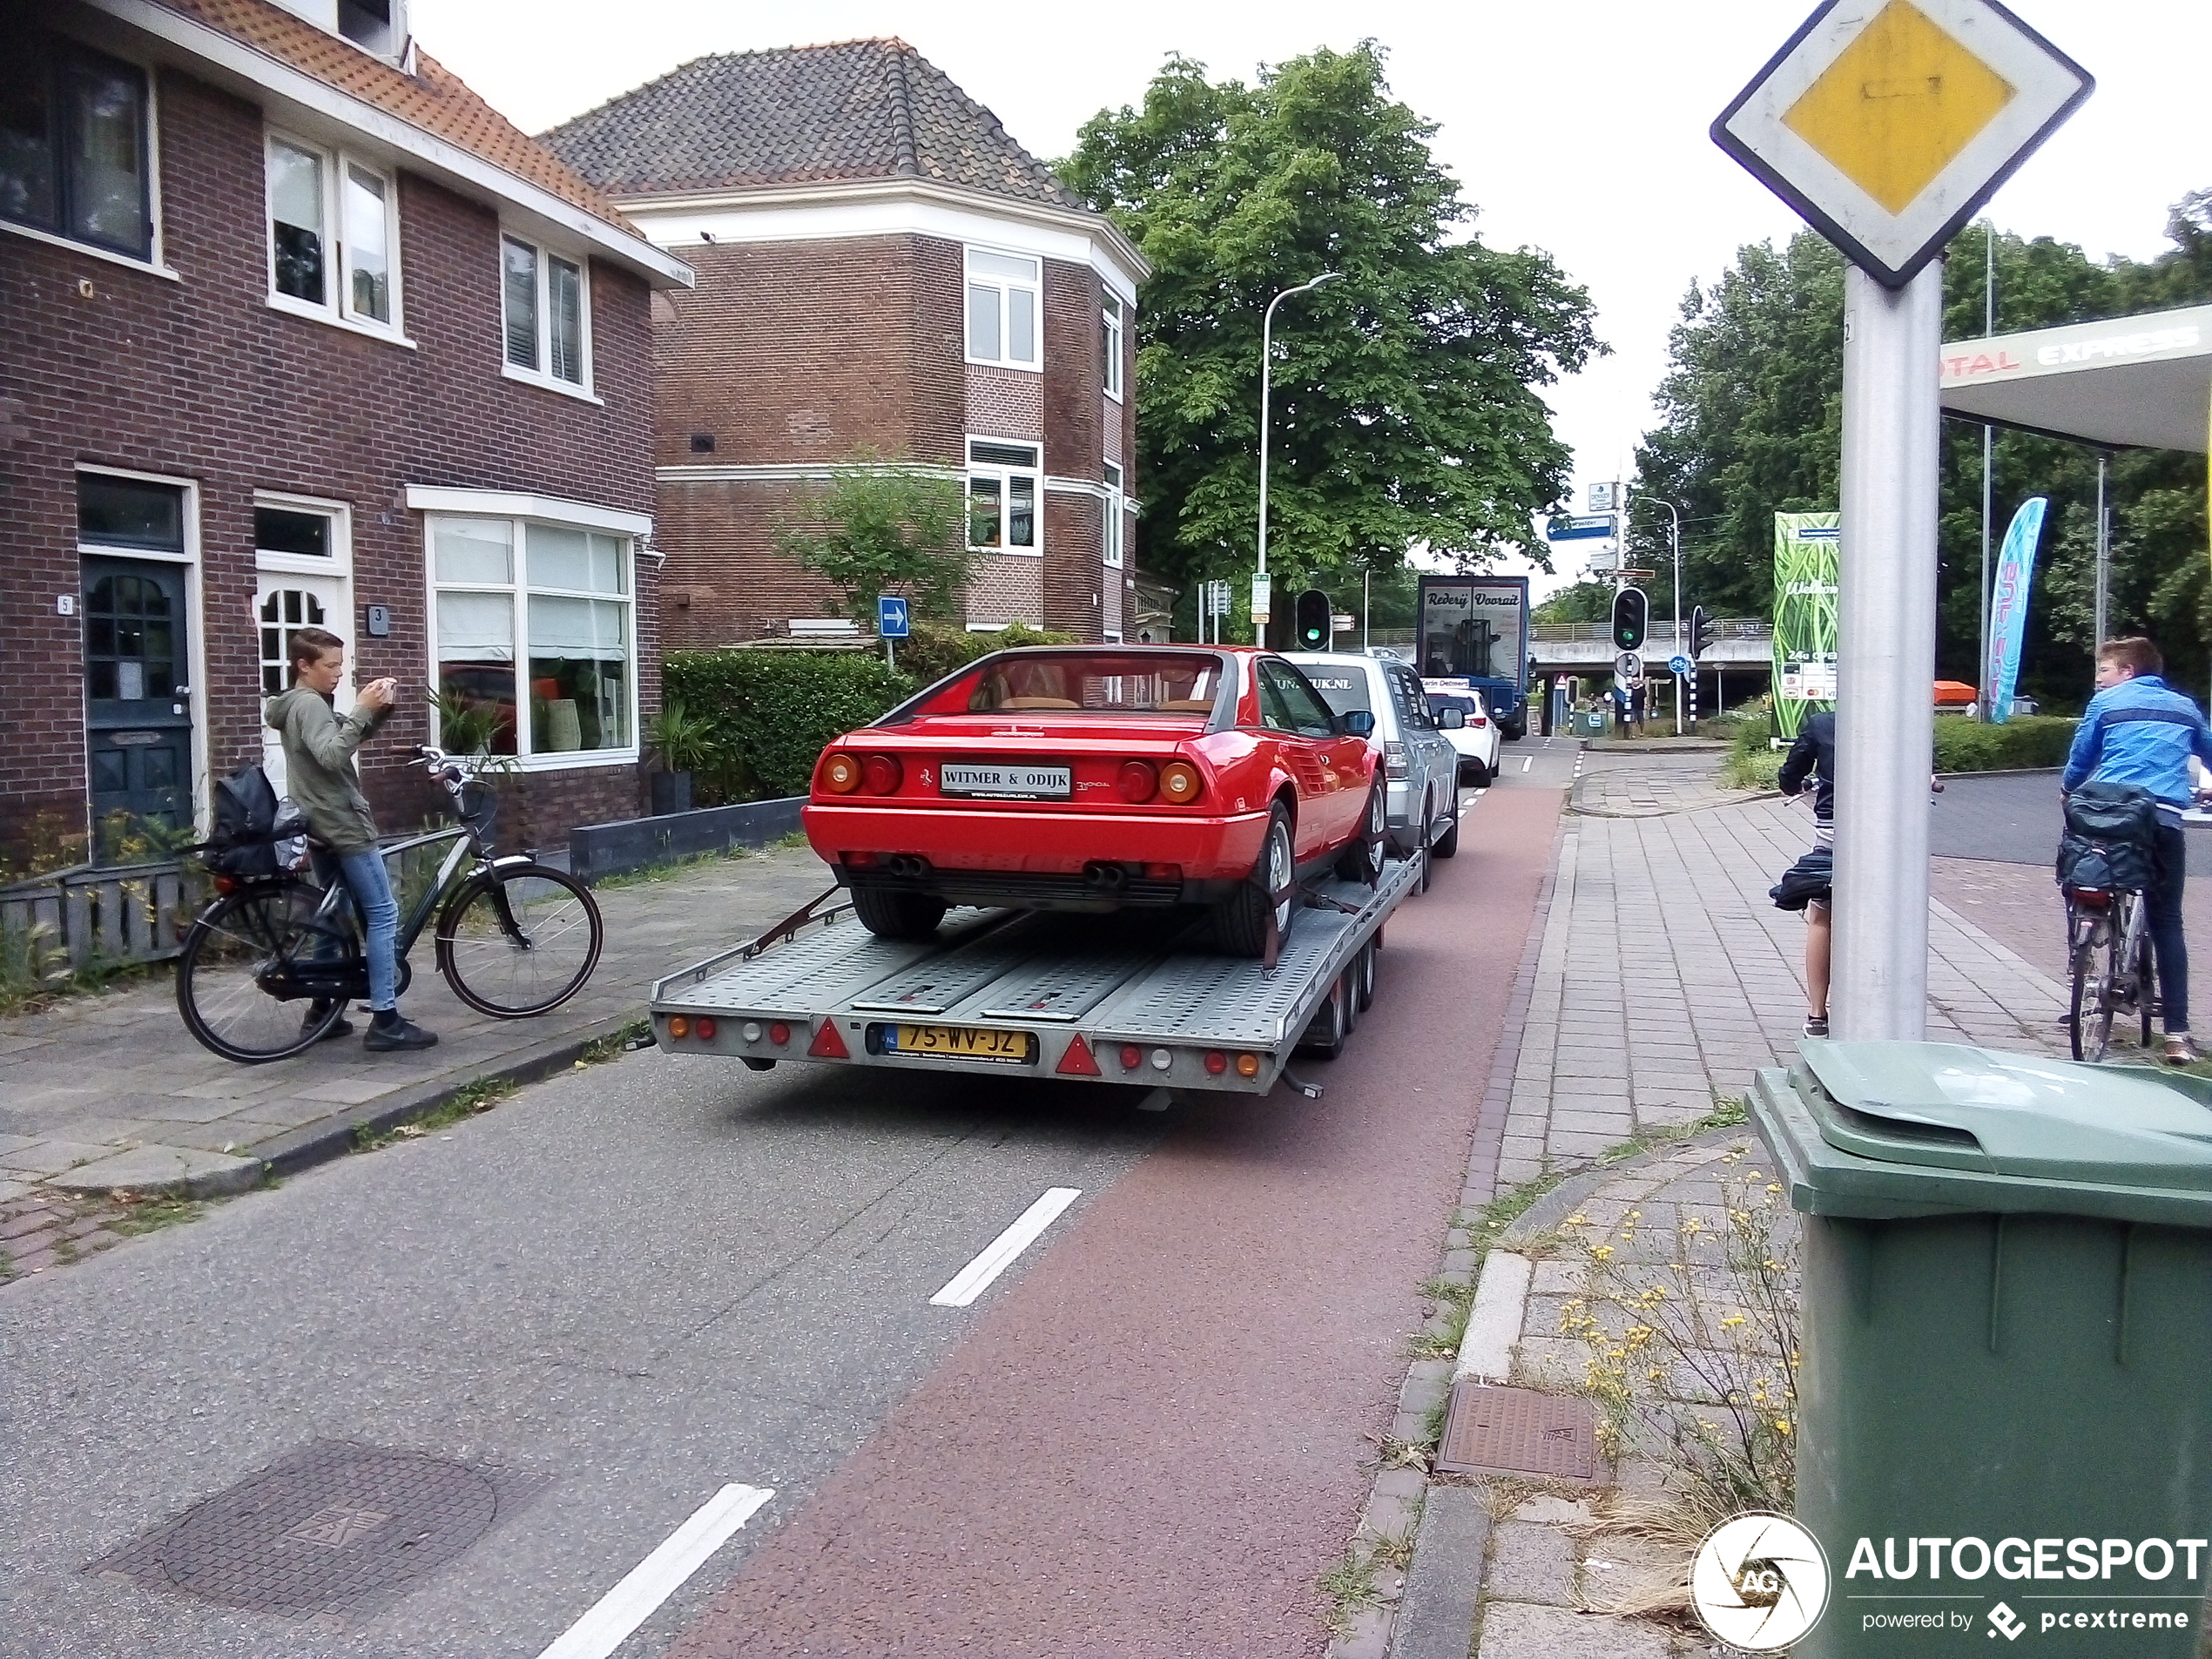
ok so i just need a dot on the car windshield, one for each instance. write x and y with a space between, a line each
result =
1098 683
1344 690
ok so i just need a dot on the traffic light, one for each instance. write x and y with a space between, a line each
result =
1701 632
1310 616
1631 619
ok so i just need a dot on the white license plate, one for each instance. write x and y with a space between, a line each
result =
1007 783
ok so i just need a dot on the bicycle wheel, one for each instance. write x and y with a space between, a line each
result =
520 940
250 969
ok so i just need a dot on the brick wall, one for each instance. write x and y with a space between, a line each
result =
1005 402
1007 588
201 379
725 582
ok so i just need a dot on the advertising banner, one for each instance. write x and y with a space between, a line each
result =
2008 593
1804 618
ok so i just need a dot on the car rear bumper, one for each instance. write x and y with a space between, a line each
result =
992 841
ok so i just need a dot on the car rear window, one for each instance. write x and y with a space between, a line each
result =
1098 683
1344 690
1439 701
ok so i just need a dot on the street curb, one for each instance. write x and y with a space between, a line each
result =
2008 771
1548 1212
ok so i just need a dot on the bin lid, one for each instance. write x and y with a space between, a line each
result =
1921 1127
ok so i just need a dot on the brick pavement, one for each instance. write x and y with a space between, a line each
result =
110 1092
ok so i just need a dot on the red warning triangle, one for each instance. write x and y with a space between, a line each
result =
1077 1061
828 1044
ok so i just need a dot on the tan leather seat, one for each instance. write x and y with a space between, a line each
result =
1039 702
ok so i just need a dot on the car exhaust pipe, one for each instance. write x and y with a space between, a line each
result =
1107 877
907 865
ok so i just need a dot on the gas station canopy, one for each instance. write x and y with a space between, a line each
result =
2135 382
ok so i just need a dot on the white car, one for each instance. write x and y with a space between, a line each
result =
1466 720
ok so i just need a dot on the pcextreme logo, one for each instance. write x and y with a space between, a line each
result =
1759 1582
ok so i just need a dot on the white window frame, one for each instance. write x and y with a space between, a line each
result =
1113 316
1001 285
1006 473
518 590
338 309
1117 527
340 515
543 375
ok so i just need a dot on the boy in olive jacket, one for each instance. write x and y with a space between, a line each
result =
319 777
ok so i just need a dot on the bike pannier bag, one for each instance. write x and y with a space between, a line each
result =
2111 838
244 838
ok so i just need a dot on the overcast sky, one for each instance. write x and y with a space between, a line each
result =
1578 126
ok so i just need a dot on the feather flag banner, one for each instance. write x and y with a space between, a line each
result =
2008 605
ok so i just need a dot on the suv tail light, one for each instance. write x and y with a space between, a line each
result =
1394 760
1478 721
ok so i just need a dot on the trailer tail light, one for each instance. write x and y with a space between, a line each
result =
1138 781
706 1028
1394 760
1248 1065
841 774
1180 784
827 1045
1132 1057
1217 1062
779 1033
882 774
1077 1061
678 1026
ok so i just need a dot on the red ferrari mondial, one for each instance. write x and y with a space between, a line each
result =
1097 777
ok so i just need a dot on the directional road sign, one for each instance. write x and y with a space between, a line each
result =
1888 125
891 617
1678 665
1575 529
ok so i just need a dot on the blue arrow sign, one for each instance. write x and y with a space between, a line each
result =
1678 665
890 618
1574 529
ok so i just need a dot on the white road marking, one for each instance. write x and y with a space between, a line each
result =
623 1609
974 1279
1527 761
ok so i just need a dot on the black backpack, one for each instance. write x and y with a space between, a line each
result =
2111 838
244 838
1811 877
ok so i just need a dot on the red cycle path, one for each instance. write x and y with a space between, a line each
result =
1152 1443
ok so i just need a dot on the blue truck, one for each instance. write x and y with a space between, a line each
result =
1474 629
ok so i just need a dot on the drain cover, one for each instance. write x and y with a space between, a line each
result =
325 1530
1492 1430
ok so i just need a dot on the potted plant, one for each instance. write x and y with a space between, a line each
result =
683 743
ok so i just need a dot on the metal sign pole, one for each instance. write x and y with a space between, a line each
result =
1885 647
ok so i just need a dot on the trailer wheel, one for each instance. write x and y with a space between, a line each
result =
897 916
1348 994
1326 1034
1364 968
1240 921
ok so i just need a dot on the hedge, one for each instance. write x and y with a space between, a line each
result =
2024 741
933 650
773 712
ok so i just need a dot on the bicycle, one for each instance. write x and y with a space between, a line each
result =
515 937
2108 949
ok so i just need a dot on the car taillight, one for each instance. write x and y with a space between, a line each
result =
1479 720
1138 782
841 774
1180 783
1394 760
882 774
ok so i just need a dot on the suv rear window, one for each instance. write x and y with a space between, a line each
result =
1344 690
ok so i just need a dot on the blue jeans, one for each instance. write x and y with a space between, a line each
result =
379 913
2162 909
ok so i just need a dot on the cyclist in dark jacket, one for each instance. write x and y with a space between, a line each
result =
2138 729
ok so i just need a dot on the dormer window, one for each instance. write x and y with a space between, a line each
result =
378 26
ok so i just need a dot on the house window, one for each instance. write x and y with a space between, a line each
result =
282 530
1113 517
74 159
123 512
533 635
1002 491
1110 345
333 235
1002 294
543 297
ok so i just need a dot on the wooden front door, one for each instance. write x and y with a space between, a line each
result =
138 707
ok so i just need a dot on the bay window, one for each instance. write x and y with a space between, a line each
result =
333 236
534 632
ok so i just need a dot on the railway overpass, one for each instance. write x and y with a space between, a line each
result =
1738 660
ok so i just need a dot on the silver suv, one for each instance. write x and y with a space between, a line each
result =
1418 761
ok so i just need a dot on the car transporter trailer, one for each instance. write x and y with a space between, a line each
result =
1136 997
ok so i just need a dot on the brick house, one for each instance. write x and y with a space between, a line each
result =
881 266
294 330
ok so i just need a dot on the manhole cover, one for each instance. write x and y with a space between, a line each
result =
1491 1429
326 1529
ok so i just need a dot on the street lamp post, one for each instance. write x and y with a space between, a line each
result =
1674 514
1266 365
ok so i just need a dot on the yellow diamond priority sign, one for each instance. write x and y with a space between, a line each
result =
1888 122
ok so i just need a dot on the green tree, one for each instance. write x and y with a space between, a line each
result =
1405 408
1584 602
881 528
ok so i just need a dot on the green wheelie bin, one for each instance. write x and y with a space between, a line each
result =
2005 1393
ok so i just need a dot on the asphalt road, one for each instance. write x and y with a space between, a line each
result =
632 1285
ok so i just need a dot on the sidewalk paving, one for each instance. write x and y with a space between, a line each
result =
1661 979
111 1092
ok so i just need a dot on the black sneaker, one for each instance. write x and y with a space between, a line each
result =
400 1034
317 1012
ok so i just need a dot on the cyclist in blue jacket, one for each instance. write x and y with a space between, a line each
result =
2140 731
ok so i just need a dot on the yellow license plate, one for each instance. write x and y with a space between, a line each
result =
960 1042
